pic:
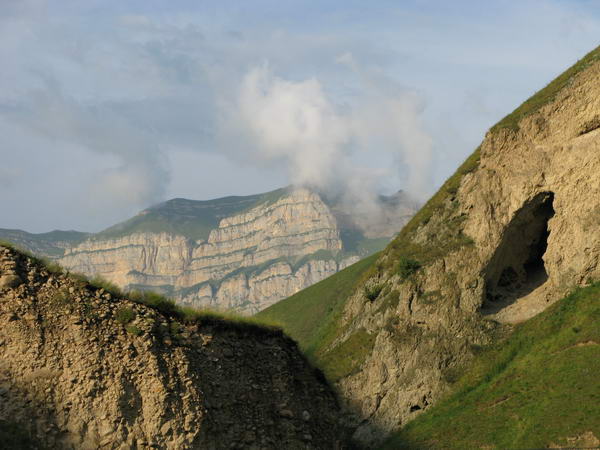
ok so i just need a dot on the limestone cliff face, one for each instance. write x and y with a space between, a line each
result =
81 369
516 229
247 262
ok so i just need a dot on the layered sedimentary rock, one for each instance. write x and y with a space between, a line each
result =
83 369
252 258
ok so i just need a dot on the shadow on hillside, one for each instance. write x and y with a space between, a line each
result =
17 430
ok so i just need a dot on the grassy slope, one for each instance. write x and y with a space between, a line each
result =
547 94
443 241
536 387
311 315
191 218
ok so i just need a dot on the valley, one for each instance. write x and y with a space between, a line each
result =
306 318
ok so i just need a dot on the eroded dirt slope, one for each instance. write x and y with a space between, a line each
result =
82 369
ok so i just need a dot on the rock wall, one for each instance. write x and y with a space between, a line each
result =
514 233
81 369
247 263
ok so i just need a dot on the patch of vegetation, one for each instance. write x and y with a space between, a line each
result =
347 357
448 237
193 219
157 301
312 316
132 329
547 94
535 387
102 283
407 267
372 291
175 328
125 315
355 242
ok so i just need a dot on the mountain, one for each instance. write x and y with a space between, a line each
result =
83 367
234 253
52 244
509 234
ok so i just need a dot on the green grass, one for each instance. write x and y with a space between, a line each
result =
372 291
536 387
312 316
193 219
407 267
448 236
125 315
547 94
132 329
345 359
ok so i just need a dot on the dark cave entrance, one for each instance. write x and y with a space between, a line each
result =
517 266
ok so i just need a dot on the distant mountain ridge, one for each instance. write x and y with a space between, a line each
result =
51 244
239 252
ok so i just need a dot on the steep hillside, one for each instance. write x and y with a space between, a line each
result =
81 367
237 253
537 388
509 234
298 313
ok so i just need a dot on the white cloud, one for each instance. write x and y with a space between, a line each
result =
289 121
353 99
295 124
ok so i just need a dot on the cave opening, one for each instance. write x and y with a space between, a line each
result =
517 267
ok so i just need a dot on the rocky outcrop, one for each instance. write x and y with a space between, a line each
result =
514 230
247 262
83 369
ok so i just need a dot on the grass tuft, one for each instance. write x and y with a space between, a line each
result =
407 267
125 315
373 291
132 329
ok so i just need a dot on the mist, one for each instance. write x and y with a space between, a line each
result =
294 125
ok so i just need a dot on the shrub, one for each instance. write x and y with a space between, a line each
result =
407 267
132 329
125 315
373 291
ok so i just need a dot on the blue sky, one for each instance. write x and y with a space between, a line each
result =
107 107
